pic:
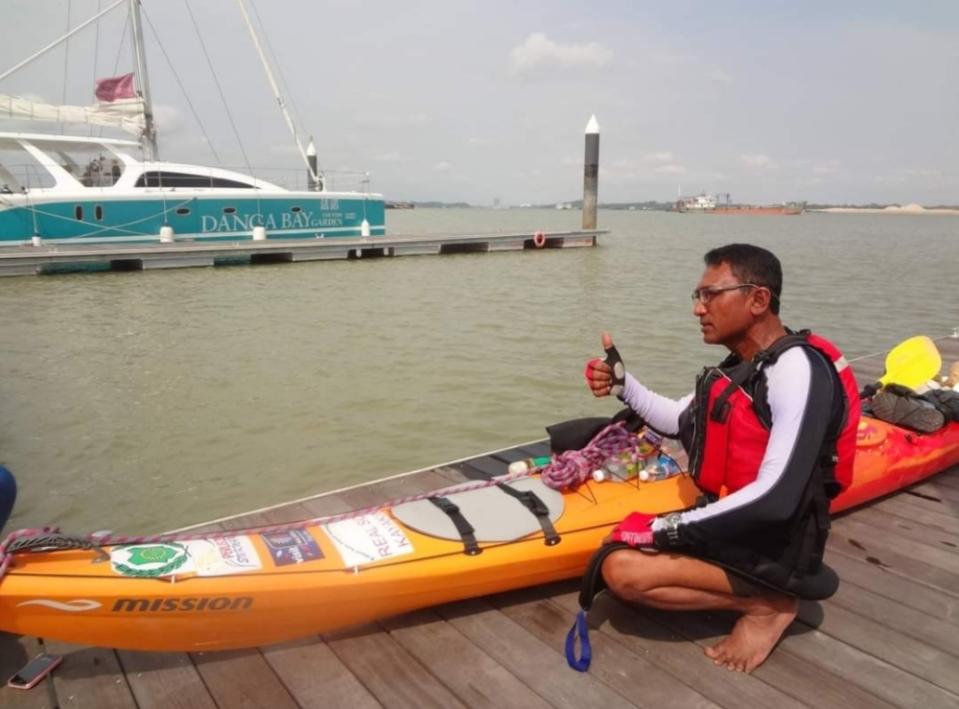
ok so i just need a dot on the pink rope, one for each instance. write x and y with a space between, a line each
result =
571 468
567 470
119 539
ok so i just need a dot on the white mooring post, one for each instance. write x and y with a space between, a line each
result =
591 174
166 234
259 233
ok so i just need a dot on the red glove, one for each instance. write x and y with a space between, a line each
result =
634 530
588 371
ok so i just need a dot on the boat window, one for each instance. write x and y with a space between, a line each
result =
183 211
78 212
296 209
157 178
99 213
229 210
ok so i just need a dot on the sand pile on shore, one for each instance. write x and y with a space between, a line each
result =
911 208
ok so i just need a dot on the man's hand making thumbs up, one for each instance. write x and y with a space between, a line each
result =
606 376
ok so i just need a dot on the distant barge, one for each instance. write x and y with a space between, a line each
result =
709 204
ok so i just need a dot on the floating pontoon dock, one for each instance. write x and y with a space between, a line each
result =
57 258
888 638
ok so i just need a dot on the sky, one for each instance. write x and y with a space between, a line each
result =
456 100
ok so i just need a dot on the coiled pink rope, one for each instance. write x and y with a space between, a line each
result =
571 468
6 557
567 470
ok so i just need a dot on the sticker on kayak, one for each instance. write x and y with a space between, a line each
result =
291 547
869 435
363 540
222 556
151 560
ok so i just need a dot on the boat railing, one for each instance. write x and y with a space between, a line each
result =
298 179
29 176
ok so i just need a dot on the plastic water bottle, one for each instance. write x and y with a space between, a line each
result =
519 467
664 467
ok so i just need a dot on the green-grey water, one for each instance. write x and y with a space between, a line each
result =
148 401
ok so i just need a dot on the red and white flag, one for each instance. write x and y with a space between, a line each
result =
115 87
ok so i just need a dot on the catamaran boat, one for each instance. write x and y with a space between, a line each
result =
68 189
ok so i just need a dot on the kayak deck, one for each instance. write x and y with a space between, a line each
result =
889 635
887 638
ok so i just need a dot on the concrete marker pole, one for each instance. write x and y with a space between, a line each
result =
591 174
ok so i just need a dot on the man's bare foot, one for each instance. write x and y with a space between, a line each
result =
754 636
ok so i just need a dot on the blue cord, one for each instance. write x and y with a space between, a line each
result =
581 630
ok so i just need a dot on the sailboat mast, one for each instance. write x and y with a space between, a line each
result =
149 131
314 178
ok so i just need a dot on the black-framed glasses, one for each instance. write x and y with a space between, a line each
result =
705 295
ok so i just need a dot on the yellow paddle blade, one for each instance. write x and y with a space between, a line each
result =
912 363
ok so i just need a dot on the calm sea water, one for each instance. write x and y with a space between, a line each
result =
148 401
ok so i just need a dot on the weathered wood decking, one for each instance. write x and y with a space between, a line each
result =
889 637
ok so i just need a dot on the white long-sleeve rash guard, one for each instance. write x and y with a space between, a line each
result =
795 398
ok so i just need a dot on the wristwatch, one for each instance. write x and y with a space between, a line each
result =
671 524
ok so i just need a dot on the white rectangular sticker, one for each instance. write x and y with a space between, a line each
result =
363 540
222 556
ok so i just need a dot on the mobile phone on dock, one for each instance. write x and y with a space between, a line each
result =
31 673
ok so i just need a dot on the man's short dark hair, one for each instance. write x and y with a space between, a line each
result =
751 264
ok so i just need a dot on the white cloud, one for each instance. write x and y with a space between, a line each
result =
388 157
539 51
663 156
719 75
442 166
830 167
169 119
400 120
286 148
670 169
757 161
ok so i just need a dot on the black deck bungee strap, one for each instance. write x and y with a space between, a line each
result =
531 501
465 529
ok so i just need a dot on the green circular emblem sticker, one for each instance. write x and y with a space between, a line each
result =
148 560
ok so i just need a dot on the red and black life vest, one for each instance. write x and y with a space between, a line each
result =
727 433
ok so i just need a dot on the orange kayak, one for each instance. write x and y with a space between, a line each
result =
256 588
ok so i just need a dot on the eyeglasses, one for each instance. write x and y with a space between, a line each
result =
705 295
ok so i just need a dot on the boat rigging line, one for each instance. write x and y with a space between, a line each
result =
149 140
56 42
276 91
219 87
186 96
285 85
66 60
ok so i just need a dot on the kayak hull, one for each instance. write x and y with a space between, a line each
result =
251 594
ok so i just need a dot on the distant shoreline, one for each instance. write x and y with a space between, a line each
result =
908 209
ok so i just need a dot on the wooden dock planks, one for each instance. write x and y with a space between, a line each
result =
887 638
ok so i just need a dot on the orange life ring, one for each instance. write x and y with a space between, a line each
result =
539 239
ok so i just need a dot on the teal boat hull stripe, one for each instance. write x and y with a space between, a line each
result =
124 220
